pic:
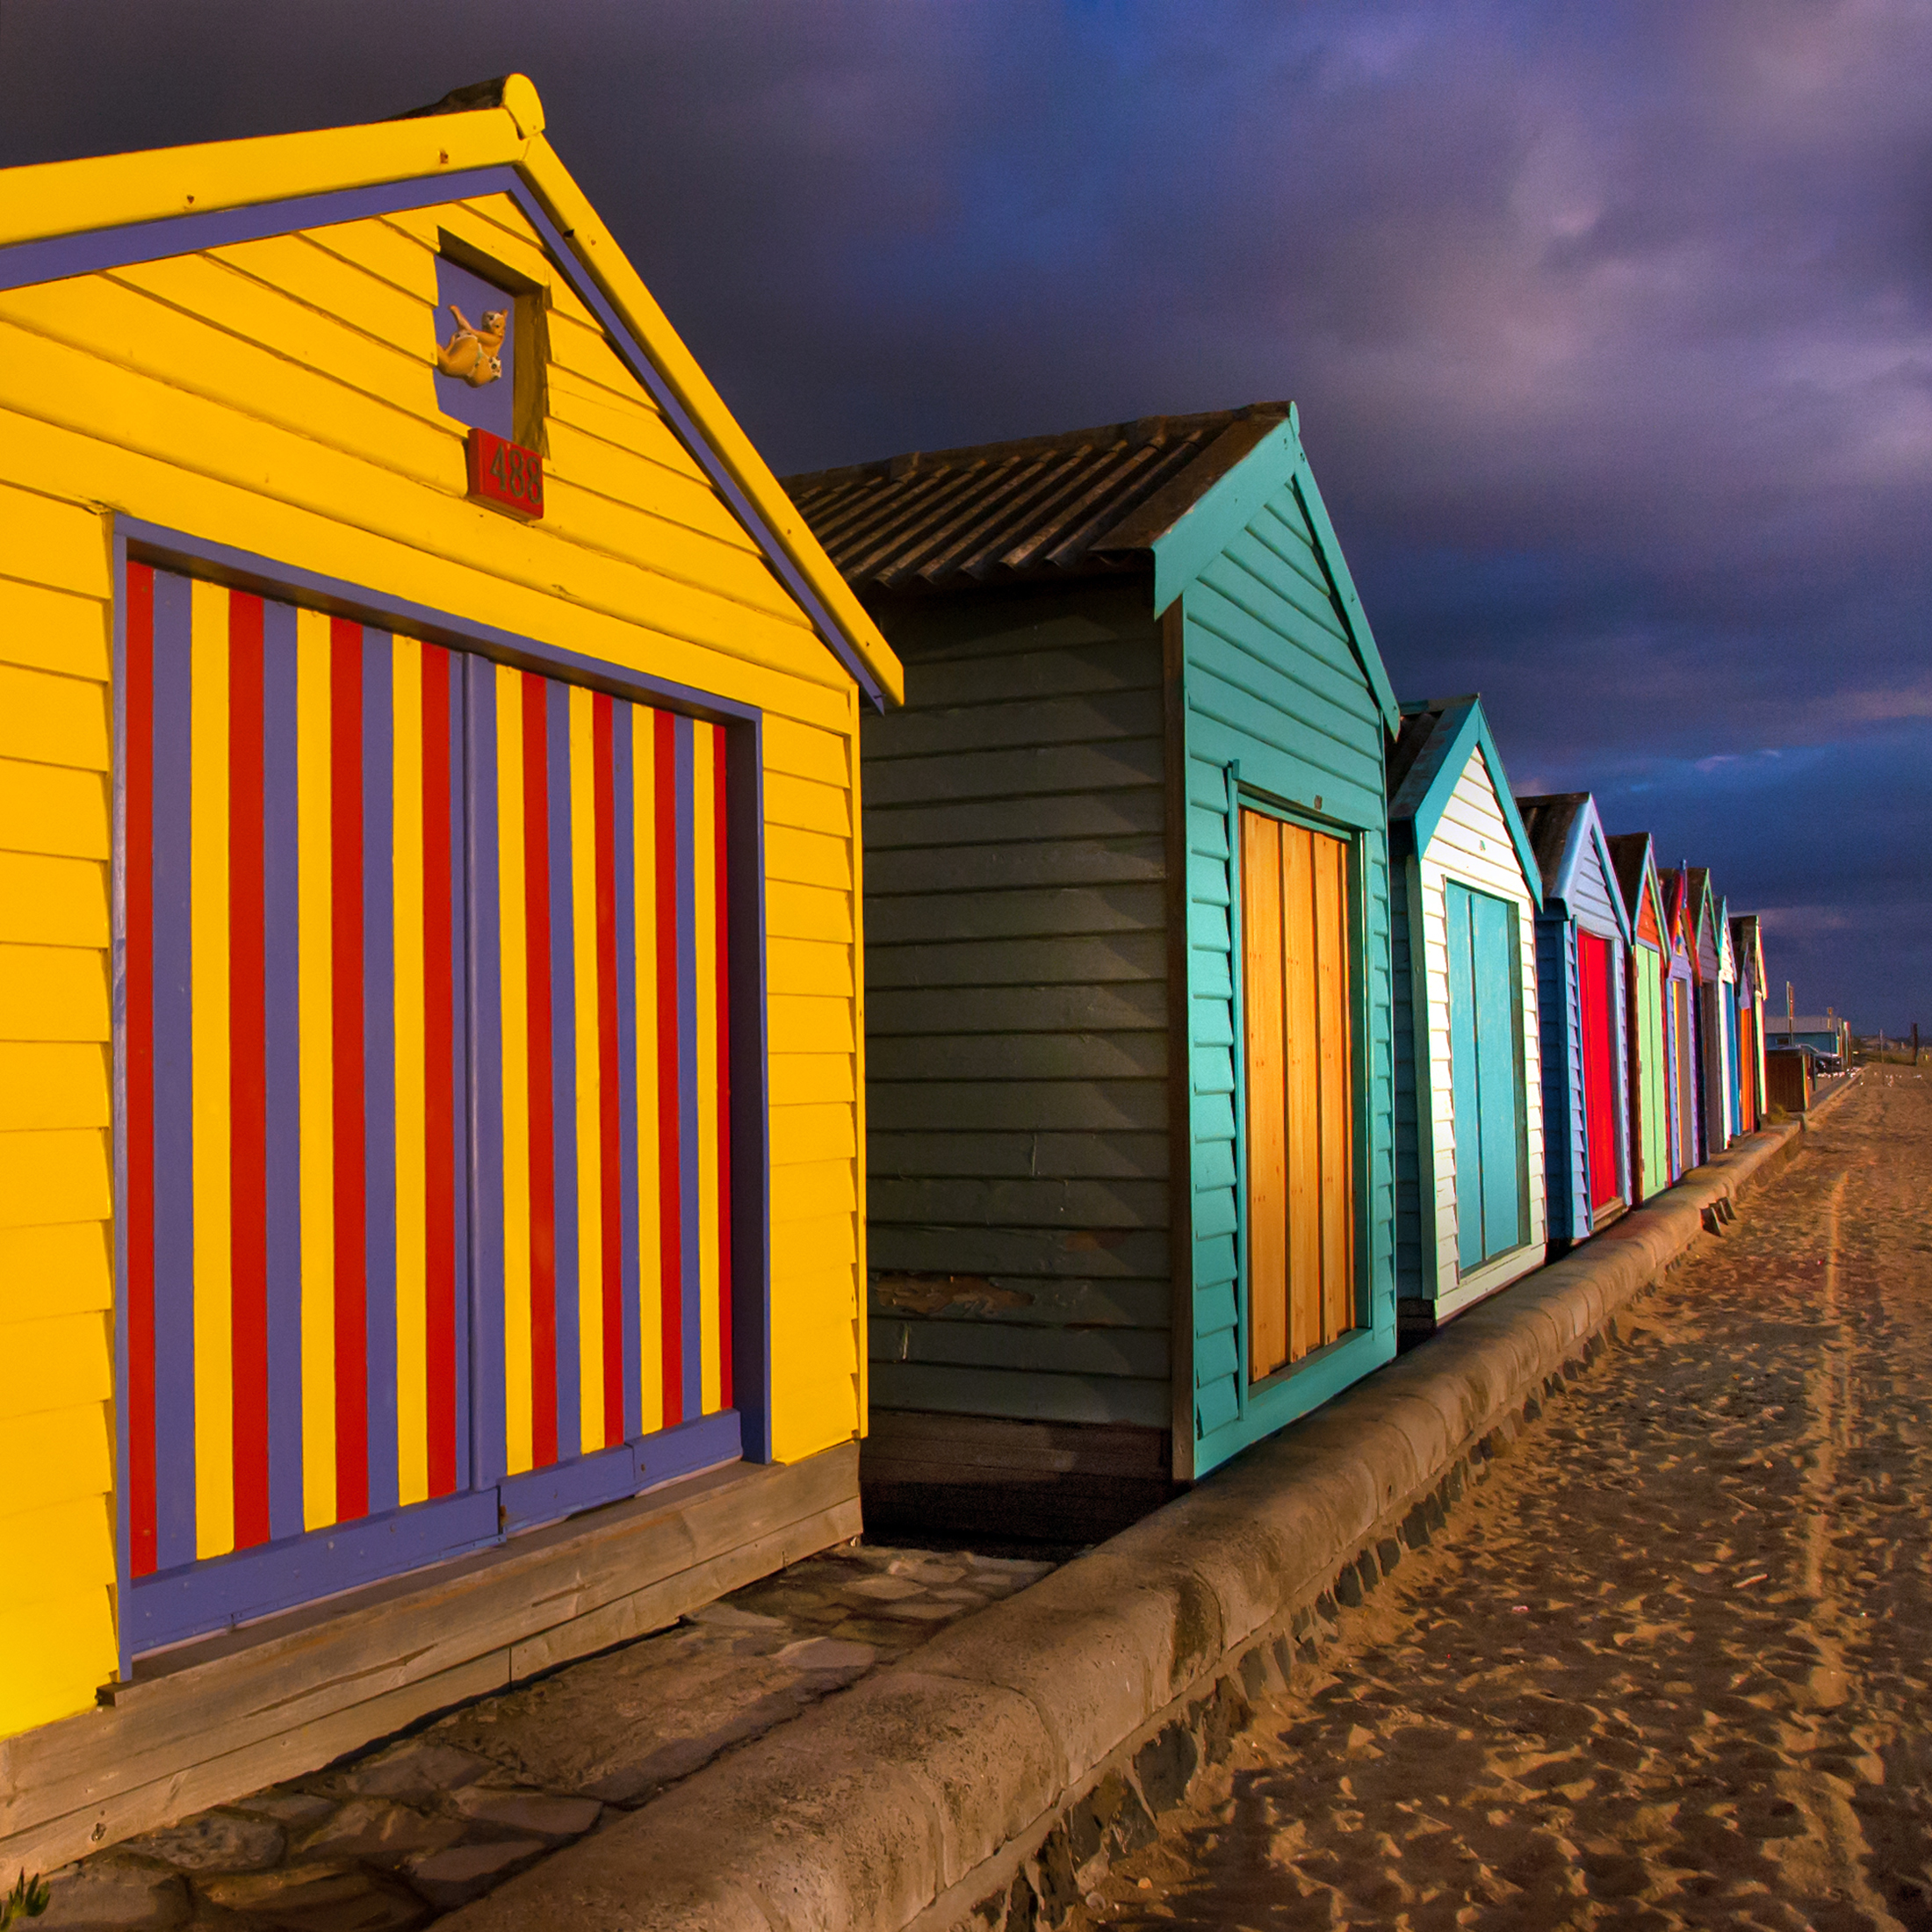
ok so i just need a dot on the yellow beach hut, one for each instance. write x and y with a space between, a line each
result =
429 1093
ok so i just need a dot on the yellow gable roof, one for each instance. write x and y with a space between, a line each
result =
143 205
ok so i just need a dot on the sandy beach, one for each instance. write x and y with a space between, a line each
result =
1672 1664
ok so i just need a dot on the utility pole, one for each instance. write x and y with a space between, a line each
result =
1914 1042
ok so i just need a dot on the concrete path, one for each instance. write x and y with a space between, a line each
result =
1672 1665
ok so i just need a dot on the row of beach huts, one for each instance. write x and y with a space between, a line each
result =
488 1124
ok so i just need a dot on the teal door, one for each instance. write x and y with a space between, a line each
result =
1486 1086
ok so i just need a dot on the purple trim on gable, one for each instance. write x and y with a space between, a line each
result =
58 257
281 1011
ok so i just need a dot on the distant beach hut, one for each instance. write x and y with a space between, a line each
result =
1582 961
1680 1013
1470 1189
1747 949
1647 1083
1128 1001
1709 944
1725 1020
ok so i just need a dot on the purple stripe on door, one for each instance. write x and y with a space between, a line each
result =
379 1054
486 1099
563 1061
174 1082
459 1071
281 1014
688 1073
623 847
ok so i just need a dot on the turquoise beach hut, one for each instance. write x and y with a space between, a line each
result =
1583 964
1127 1020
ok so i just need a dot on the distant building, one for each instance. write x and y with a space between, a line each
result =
1823 1033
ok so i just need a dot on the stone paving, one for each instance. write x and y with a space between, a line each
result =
1672 1663
394 1838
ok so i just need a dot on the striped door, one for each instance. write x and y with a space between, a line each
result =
1492 1153
295 1208
426 1127
1297 988
601 947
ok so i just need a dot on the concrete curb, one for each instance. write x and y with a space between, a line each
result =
988 1779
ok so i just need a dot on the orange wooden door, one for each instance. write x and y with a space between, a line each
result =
1298 997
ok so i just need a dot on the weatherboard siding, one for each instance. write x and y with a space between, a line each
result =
1276 709
1017 1013
1472 845
279 397
56 1288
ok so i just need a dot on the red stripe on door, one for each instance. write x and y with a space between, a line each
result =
351 1189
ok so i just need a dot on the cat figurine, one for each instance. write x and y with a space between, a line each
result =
474 353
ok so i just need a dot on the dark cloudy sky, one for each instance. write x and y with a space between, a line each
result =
1610 324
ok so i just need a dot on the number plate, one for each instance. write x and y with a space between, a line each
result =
506 474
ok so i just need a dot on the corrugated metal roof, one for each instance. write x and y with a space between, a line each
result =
1045 507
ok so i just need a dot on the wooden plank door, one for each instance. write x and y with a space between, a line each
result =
296 1351
599 899
1299 1078
1486 1084
1746 1065
1596 973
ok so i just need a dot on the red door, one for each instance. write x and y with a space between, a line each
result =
1593 970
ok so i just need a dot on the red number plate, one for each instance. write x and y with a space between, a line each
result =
506 474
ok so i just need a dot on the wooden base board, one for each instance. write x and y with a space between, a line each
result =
987 1476
214 1719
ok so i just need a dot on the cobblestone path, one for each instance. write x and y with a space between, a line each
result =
1671 1665
388 1841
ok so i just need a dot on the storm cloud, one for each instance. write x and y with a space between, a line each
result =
1611 325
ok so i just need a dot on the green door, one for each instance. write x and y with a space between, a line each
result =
1486 1077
